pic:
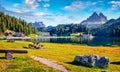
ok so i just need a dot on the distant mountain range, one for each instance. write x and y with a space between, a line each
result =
95 20
39 25
98 24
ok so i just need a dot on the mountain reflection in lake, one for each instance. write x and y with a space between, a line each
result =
96 41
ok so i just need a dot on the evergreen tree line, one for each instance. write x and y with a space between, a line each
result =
116 30
67 29
112 30
14 24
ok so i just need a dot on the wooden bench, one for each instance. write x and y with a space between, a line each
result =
8 53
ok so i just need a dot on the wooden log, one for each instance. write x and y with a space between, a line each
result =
13 51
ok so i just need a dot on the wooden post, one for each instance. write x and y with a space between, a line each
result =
8 55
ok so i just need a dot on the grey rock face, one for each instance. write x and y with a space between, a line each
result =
95 20
38 24
92 60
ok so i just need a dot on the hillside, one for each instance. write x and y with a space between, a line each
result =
110 28
67 29
14 24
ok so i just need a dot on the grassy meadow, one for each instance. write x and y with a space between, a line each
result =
60 53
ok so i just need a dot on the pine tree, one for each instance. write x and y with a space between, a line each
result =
14 24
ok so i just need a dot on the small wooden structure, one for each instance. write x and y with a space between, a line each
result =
35 45
8 53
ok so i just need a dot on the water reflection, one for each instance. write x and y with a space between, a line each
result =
96 41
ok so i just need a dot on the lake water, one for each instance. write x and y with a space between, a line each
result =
96 41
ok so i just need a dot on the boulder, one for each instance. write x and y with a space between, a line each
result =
92 60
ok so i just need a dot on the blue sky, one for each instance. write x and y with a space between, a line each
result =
53 12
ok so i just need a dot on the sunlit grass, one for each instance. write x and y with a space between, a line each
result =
62 53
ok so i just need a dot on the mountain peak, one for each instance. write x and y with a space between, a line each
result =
102 17
101 14
94 13
95 19
38 24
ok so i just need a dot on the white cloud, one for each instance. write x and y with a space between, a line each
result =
48 18
43 0
94 3
33 4
39 14
115 5
16 5
79 5
46 0
39 0
46 5
67 7
22 11
75 5
115 2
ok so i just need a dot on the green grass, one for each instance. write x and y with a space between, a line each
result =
62 53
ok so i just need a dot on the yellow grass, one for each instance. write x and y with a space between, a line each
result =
62 53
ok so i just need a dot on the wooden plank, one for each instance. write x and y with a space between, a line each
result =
13 51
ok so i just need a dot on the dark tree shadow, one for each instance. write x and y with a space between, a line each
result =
78 64
85 65
117 63
2 58
25 47
5 58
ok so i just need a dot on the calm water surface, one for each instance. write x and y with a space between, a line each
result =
96 41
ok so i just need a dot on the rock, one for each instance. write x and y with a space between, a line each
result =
92 60
38 24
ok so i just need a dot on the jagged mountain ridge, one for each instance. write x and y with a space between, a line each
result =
95 20
38 24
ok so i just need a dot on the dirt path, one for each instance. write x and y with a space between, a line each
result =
50 63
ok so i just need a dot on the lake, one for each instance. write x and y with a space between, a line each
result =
96 41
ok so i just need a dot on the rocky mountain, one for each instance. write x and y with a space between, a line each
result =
95 20
38 25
